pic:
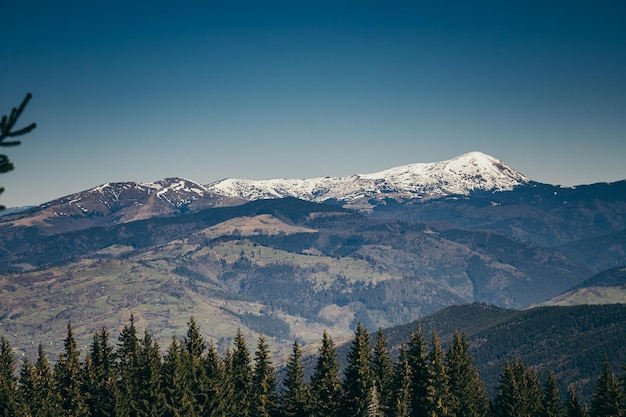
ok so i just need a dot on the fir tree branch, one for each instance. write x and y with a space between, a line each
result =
7 124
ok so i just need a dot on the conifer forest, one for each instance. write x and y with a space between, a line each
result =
132 377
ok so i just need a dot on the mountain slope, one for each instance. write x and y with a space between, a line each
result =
601 252
607 287
544 214
113 203
571 341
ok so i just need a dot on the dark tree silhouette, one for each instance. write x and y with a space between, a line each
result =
7 131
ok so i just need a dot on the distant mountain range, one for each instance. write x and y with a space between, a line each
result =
291 257
463 175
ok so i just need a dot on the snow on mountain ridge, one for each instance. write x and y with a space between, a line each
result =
175 191
458 176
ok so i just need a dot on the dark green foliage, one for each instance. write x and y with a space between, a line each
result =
241 375
8 381
403 379
193 380
150 400
127 370
45 402
214 377
520 393
358 376
325 384
194 342
267 324
383 374
99 376
421 376
608 398
264 398
373 402
176 386
224 403
68 378
551 405
468 395
564 339
440 401
191 356
26 389
7 130
294 398
573 407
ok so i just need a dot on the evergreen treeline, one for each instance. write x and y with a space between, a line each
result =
133 378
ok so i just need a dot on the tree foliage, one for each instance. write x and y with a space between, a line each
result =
520 393
9 131
326 392
358 376
468 396
192 379
294 399
608 398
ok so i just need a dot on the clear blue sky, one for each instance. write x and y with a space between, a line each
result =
141 91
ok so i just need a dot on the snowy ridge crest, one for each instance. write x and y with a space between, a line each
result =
175 191
474 171
115 196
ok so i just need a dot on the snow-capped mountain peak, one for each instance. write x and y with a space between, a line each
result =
175 191
118 202
458 176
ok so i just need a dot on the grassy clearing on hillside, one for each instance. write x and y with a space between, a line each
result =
590 295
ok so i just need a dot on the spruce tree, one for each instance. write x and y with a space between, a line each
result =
150 400
325 383
215 377
46 401
68 378
26 388
176 387
382 367
100 379
224 405
422 381
373 402
194 342
358 374
468 394
440 398
519 393
294 398
402 386
264 399
127 370
573 407
241 375
608 398
508 396
8 381
551 405
193 348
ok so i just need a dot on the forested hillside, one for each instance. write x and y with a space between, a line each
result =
134 378
570 341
